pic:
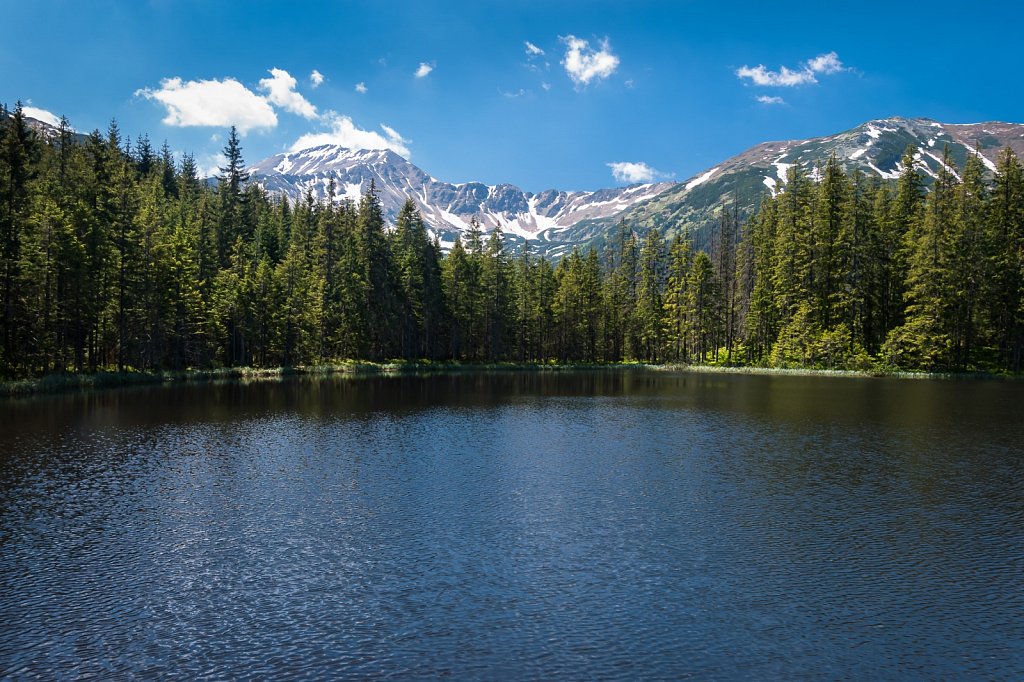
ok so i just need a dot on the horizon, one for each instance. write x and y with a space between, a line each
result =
499 95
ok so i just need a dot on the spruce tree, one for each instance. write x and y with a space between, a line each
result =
677 318
649 303
1005 252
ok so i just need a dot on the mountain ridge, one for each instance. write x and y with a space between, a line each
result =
447 207
555 221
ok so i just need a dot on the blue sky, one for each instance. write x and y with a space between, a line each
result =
604 93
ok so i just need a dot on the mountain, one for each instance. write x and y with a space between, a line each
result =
49 132
556 220
875 147
448 208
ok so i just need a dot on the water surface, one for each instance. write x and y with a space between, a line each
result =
516 525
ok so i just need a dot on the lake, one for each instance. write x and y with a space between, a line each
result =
601 524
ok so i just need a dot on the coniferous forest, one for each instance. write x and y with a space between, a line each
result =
114 256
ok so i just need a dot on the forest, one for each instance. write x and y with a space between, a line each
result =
116 256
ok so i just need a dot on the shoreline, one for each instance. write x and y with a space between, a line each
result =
71 383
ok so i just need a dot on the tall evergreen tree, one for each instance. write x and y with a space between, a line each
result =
230 185
649 303
1005 252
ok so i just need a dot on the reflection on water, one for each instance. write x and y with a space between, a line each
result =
599 524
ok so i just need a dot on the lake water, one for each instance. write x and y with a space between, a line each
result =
631 525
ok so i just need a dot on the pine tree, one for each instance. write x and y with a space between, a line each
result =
620 294
1005 253
923 341
966 266
761 326
494 301
899 235
18 152
649 303
831 240
724 247
457 281
300 293
378 276
410 248
677 318
791 276
230 184
705 303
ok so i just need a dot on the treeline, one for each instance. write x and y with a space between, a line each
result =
114 256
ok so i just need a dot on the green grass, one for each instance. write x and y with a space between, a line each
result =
67 383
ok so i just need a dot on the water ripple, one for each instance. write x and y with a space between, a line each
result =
606 525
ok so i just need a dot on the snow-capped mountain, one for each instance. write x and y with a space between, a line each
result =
554 220
875 147
448 208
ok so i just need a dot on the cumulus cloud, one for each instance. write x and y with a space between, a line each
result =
424 70
361 88
633 172
806 73
41 115
532 49
209 166
344 132
584 64
316 79
280 88
766 99
784 77
826 63
211 103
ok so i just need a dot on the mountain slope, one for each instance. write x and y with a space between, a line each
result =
875 148
554 220
448 208
48 132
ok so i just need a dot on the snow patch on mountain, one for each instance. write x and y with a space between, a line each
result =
447 208
701 179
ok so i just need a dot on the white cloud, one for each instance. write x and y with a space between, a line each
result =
423 70
361 88
532 49
391 132
41 115
545 85
766 99
345 133
521 92
316 79
826 63
209 166
785 77
280 89
633 172
584 64
211 103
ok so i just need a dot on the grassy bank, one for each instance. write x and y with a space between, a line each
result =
804 371
65 383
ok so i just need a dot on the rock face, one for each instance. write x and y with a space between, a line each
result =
555 221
